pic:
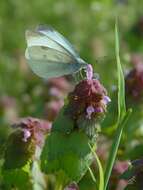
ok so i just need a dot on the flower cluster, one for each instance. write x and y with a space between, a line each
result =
34 128
89 98
87 103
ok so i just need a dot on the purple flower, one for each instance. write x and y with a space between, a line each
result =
89 72
99 110
89 98
90 110
34 128
27 134
106 100
87 104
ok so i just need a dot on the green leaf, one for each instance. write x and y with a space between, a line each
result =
67 152
58 144
17 152
18 178
63 123
17 161
74 167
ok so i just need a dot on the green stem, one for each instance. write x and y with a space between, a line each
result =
91 173
101 174
114 148
61 181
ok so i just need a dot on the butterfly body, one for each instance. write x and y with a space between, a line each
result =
49 54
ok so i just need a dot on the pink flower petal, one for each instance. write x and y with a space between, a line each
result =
27 134
98 110
89 111
89 72
106 100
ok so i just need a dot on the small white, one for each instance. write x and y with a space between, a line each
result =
50 55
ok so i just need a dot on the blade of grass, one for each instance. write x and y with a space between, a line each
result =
101 173
121 81
122 114
114 148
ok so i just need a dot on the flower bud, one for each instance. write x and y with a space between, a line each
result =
34 128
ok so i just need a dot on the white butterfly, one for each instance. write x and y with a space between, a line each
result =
49 54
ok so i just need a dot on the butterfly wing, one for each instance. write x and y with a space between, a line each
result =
47 65
60 39
47 57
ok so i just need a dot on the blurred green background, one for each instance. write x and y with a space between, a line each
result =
88 25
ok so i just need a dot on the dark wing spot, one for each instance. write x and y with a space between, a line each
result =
44 48
44 56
